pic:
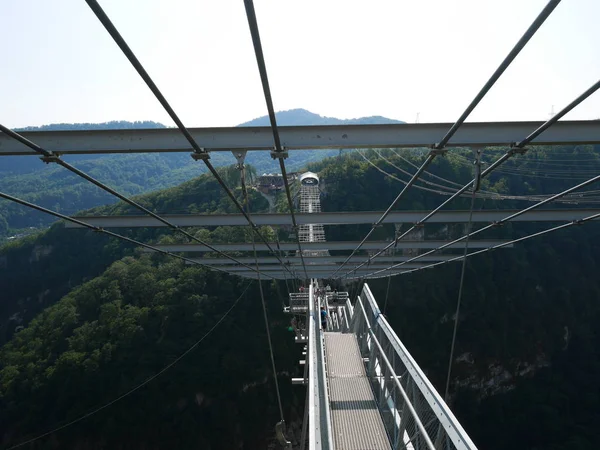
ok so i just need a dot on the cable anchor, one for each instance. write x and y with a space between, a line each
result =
240 156
515 150
279 154
50 158
200 155
477 162
435 151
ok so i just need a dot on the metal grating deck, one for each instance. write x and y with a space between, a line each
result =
357 424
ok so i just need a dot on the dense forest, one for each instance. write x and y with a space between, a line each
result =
55 188
85 318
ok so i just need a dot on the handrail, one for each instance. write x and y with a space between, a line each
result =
448 420
395 377
311 372
325 398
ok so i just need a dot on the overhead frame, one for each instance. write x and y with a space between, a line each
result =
300 137
330 245
330 218
318 260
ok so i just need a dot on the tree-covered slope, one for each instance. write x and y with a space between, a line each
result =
38 270
119 329
527 328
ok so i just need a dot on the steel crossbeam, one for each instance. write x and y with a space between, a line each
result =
301 137
318 260
312 267
331 218
331 245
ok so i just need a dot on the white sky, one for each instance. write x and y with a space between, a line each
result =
341 58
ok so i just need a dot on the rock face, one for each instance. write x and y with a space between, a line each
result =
39 252
497 378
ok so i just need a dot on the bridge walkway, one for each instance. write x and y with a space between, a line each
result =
356 420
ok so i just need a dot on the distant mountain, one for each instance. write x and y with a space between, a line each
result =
303 117
112 125
52 187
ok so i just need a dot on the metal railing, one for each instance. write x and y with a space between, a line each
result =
298 303
317 420
414 414
337 298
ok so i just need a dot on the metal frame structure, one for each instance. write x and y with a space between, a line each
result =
332 218
331 245
316 260
313 137
415 416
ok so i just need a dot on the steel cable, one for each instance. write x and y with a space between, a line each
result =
279 152
460 291
264 305
199 153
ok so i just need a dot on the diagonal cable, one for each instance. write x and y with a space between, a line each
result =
518 148
49 157
199 153
537 23
460 291
376 225
262 299
279 152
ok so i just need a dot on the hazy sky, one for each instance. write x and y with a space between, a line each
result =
341 58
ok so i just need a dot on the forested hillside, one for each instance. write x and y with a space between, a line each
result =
55 188
527 348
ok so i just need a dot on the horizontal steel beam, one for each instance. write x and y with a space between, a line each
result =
300 137
320 274
330 245
331 218
297 261
317 267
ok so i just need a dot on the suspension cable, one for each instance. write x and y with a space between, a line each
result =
537 23
199 153
480 194
516 149
460 291
279 153
142 384
559 115
262 299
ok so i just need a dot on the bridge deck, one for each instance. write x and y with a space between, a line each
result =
357 424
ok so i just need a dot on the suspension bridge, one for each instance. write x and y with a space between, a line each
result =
364 390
